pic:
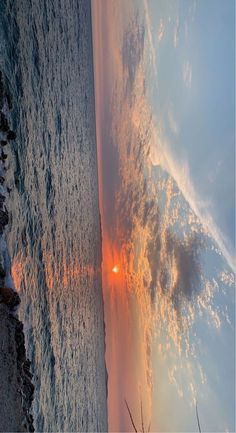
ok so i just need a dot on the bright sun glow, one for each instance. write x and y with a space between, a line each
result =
115 269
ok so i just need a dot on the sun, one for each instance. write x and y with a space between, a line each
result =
115 269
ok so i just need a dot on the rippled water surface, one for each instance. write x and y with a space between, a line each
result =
54 238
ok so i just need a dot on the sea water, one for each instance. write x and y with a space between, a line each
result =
54 238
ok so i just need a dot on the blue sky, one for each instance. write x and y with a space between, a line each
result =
192 90
193 93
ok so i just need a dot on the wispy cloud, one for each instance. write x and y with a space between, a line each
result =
172 122
187 74
161 30
150 36
132 50
176 33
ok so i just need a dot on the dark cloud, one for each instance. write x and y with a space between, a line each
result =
111 179
174 261
186 256
147 210
154 253
132 50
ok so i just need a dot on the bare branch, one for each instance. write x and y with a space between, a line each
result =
198 421
142 415
131 418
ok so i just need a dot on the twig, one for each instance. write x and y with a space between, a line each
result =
131 418
198 421
142 415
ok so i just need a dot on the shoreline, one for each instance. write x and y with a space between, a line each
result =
17 389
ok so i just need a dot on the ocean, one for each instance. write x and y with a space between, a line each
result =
54 234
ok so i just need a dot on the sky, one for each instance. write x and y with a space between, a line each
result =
164 87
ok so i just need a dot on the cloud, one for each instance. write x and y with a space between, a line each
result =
161 31
132 49
153 252
185 257
174 262
147 210
172 122
176 33
187 74
149 29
